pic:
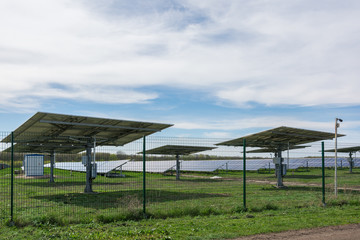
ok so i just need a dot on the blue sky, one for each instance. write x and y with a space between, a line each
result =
212 68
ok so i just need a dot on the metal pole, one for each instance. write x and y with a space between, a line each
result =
12 180
244 174
307 166
279 170
88 188
287 166
323 172
144 177
52 161
177 167
335 177
94 150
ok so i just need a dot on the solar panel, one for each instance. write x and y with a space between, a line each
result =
295 163
251 165
59 129
151 166
70 166
356 162
108 166
50 132
202 165
102 166
280 138
317 162
346 150
46 148
178 150
266 150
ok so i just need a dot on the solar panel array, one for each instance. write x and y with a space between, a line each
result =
51 131
281 138
251 165
201 165
151 166
102 166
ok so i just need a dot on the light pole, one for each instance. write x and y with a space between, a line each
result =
336 127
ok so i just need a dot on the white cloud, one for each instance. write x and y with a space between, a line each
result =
216 135
268 52
265 123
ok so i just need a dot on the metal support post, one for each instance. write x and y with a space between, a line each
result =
307 166
288 157
52 162
335 177
144 177
177 167
12 181
323 172
351 162
279 170
244 174
88 188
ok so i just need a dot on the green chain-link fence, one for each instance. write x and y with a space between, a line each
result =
209 182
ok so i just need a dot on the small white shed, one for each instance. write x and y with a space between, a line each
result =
34 165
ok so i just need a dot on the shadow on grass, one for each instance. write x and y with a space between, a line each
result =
307 189
303 176
295 188
68 183
194 180
124 199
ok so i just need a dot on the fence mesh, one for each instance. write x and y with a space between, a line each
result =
210 182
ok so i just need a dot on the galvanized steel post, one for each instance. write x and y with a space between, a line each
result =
177 167
244 173
52 162
323 172
88 187
144 177
337 125
12 180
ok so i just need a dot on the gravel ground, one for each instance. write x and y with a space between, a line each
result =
343 232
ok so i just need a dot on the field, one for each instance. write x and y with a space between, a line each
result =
198 206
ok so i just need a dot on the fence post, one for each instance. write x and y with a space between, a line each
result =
244 174
12 181
144 177
323 173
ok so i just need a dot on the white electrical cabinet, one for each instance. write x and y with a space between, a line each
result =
34 165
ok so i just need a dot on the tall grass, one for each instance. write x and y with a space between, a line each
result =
38 202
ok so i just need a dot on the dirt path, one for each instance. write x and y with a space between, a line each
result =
353 188
303 184
343 232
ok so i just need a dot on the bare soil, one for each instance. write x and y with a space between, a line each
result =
353 188
33 177
343 232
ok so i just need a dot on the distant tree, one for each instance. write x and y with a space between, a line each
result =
120 155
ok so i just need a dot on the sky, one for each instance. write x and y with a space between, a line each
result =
212 68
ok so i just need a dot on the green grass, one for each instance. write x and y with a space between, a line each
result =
187 227
196 207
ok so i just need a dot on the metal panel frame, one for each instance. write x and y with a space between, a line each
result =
50 132
278 140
